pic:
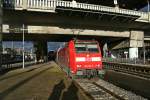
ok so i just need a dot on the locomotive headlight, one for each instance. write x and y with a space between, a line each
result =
78 59
96 58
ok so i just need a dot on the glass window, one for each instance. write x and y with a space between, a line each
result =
80 48
86 47
92 48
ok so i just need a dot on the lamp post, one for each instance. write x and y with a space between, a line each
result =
148 9
23 45
143 50
116 4
1 48
1 22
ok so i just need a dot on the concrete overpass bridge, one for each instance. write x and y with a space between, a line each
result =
54 5
55 20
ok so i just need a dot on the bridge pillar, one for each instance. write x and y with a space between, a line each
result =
1 15
41 51
136 41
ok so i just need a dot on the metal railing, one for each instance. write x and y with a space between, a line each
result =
47 4
138 69
127 60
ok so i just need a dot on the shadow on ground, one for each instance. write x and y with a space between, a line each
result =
57 90
58 94
71 93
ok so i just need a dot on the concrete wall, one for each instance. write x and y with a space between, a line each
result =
136 41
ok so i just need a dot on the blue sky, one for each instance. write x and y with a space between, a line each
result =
29 45
54 45
12 44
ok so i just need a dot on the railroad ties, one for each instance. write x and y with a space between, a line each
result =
102 90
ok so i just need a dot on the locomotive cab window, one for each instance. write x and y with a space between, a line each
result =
92 48
80 48
86 47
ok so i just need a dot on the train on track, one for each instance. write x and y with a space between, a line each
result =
80 58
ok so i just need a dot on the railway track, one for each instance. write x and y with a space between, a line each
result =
138 70
102 90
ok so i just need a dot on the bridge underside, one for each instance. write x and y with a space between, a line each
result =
57 38
74 19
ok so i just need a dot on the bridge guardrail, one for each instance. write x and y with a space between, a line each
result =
138 70
126 60
48 4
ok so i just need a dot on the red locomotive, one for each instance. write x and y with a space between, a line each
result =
80 58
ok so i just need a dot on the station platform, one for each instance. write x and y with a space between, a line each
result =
38 82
